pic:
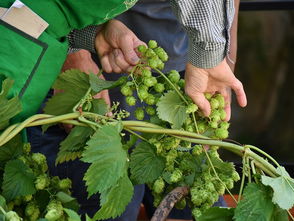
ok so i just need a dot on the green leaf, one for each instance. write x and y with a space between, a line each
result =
172 109
283 187
3 202
107 157
256 205
226 168
64 197
72 215
8 107
98 84
74 143
88 218
99 106
146 166
74 84
18 180
279 214
68 201
116 200
217 213
11 150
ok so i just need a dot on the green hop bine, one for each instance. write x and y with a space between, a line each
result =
178 152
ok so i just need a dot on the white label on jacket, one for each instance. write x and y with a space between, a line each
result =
2 11
24 19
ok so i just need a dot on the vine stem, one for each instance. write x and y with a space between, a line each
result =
137 135
290 215
39 119
243 177
274 161
82 101
175 88
200 139
146 127
2 210
264 153
166 131
248 169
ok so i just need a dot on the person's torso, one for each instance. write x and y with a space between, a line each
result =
154 19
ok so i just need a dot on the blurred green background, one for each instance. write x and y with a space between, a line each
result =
265 65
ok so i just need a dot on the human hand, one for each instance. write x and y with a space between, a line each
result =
115 45
217 79
82 60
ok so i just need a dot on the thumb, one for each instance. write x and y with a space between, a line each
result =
129 50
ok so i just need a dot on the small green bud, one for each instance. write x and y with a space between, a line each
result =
221 133
131 101
142 48
152 44
150 110
146 73
139 113
214 103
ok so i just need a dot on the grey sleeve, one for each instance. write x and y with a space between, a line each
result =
207 23
83 39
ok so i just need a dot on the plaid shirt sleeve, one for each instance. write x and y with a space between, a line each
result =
83 39
207 23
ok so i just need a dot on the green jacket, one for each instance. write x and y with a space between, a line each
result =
35 63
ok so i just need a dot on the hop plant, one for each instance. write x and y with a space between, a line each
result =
158 185
174 76
39 158
139 113
54 210
131 100
42 182
12 216
65 184
152 44
176 176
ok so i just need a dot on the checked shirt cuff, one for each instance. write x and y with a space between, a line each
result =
206 54
83 39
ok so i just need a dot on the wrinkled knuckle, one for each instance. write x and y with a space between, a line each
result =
116 69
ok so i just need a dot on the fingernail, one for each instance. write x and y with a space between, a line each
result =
135 59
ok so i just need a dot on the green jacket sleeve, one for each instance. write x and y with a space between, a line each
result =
34 64
66 15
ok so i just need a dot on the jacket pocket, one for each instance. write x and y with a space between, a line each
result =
32 63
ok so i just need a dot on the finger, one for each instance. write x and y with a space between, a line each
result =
105 64
66 127
200 100
120 60
128 49
113 65
240 93
130 69
105 96
227 94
